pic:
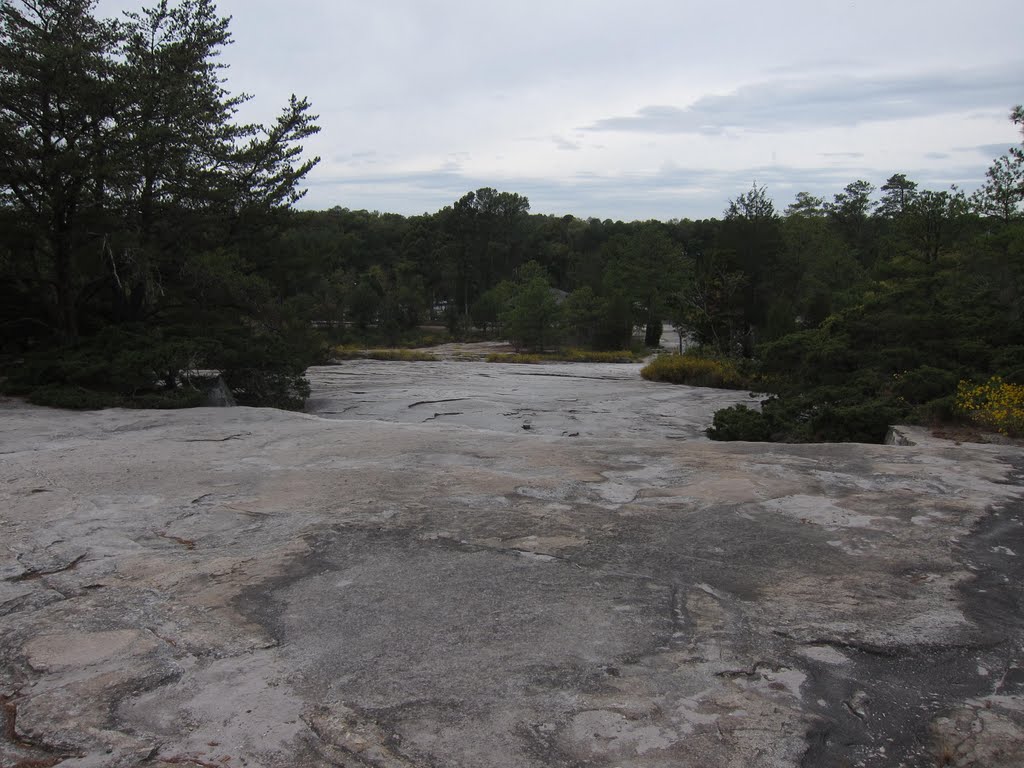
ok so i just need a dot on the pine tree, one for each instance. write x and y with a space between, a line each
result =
140 205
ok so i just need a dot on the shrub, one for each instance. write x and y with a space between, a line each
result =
182 397
806 419
83 399
268 388
924 384
866 422
1010 362
938 411
695 371
996 404
740 423
73 398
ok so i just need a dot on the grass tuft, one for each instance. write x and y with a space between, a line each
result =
695 372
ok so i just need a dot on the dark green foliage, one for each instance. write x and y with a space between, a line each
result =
532 319
614 328
487 310
858 422
1010 361
364 304
924 384
739 422
73 398
805 419
80 399
270 387
940 300
140 367
143 221
126 360
582 313
939 410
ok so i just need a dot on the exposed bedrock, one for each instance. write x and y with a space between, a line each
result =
409 578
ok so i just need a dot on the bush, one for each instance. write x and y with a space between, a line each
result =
855 423
924 384
695 372
182 397
83 399
73 398
806 419
996 404
941 410
740 423
119 367
1010 362
268 388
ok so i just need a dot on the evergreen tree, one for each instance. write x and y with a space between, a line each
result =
144 211
532 319
57 153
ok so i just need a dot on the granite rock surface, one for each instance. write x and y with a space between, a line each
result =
406 576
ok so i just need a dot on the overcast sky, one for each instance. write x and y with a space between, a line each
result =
630 110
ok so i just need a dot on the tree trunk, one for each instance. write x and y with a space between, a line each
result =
66 313
652 337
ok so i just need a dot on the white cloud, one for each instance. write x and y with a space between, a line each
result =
775 106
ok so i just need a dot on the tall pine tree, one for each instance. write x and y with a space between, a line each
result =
139 209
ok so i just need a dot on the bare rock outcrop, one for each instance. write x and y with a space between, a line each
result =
370 587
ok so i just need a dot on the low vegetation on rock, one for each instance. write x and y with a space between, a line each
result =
995 404
696 371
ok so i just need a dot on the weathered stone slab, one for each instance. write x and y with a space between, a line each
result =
373 587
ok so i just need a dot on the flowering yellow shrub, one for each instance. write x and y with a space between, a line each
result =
996 404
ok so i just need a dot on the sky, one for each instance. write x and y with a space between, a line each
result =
662 109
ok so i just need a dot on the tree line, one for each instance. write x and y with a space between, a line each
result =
732 284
